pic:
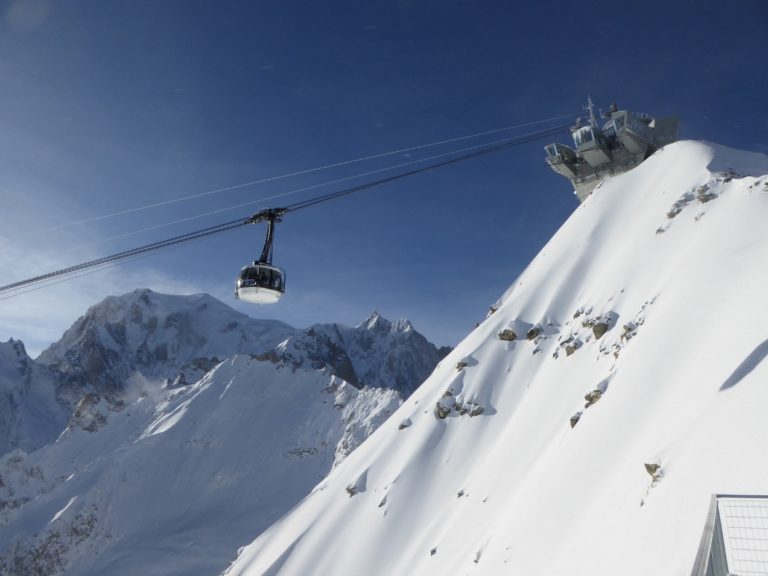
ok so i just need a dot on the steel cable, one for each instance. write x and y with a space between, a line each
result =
479 150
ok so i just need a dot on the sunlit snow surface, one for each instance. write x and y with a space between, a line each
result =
671 257
173 481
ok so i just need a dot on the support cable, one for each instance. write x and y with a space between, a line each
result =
294 192
290 175
275 213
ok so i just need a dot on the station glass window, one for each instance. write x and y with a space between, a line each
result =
583 136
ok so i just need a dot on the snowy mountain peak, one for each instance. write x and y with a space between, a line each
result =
377 353
12 352
618 384
402 325
164 336
15 376
155 334
376 322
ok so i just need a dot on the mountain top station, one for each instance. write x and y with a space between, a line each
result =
624 141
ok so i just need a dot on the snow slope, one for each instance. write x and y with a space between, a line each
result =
173 481
159 335
648 330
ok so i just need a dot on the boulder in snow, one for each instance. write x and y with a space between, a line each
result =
87 414
358 485
445 406
601 323
508 335
654 469
533 333
599 329
575 418
704 194
571 346
471 408
592 397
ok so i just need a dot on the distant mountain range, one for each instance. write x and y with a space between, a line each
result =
162 423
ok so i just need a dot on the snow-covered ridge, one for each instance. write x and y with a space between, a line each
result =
621 383
143 336
161 335
376 353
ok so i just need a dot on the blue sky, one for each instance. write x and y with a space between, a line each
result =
108 106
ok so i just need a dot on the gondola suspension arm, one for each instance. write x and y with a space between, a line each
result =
270 216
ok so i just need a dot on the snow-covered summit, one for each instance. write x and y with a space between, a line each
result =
377 353
155 334
143 335
14 360
583 427
376 322
161 335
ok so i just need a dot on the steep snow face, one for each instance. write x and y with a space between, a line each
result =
155 334
377 353
582 428
172 481
30 416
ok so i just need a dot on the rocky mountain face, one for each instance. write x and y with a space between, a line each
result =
30 416
377 353
143 335
182 337
155 335
165 428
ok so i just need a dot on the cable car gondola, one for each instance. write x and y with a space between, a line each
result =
261 282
